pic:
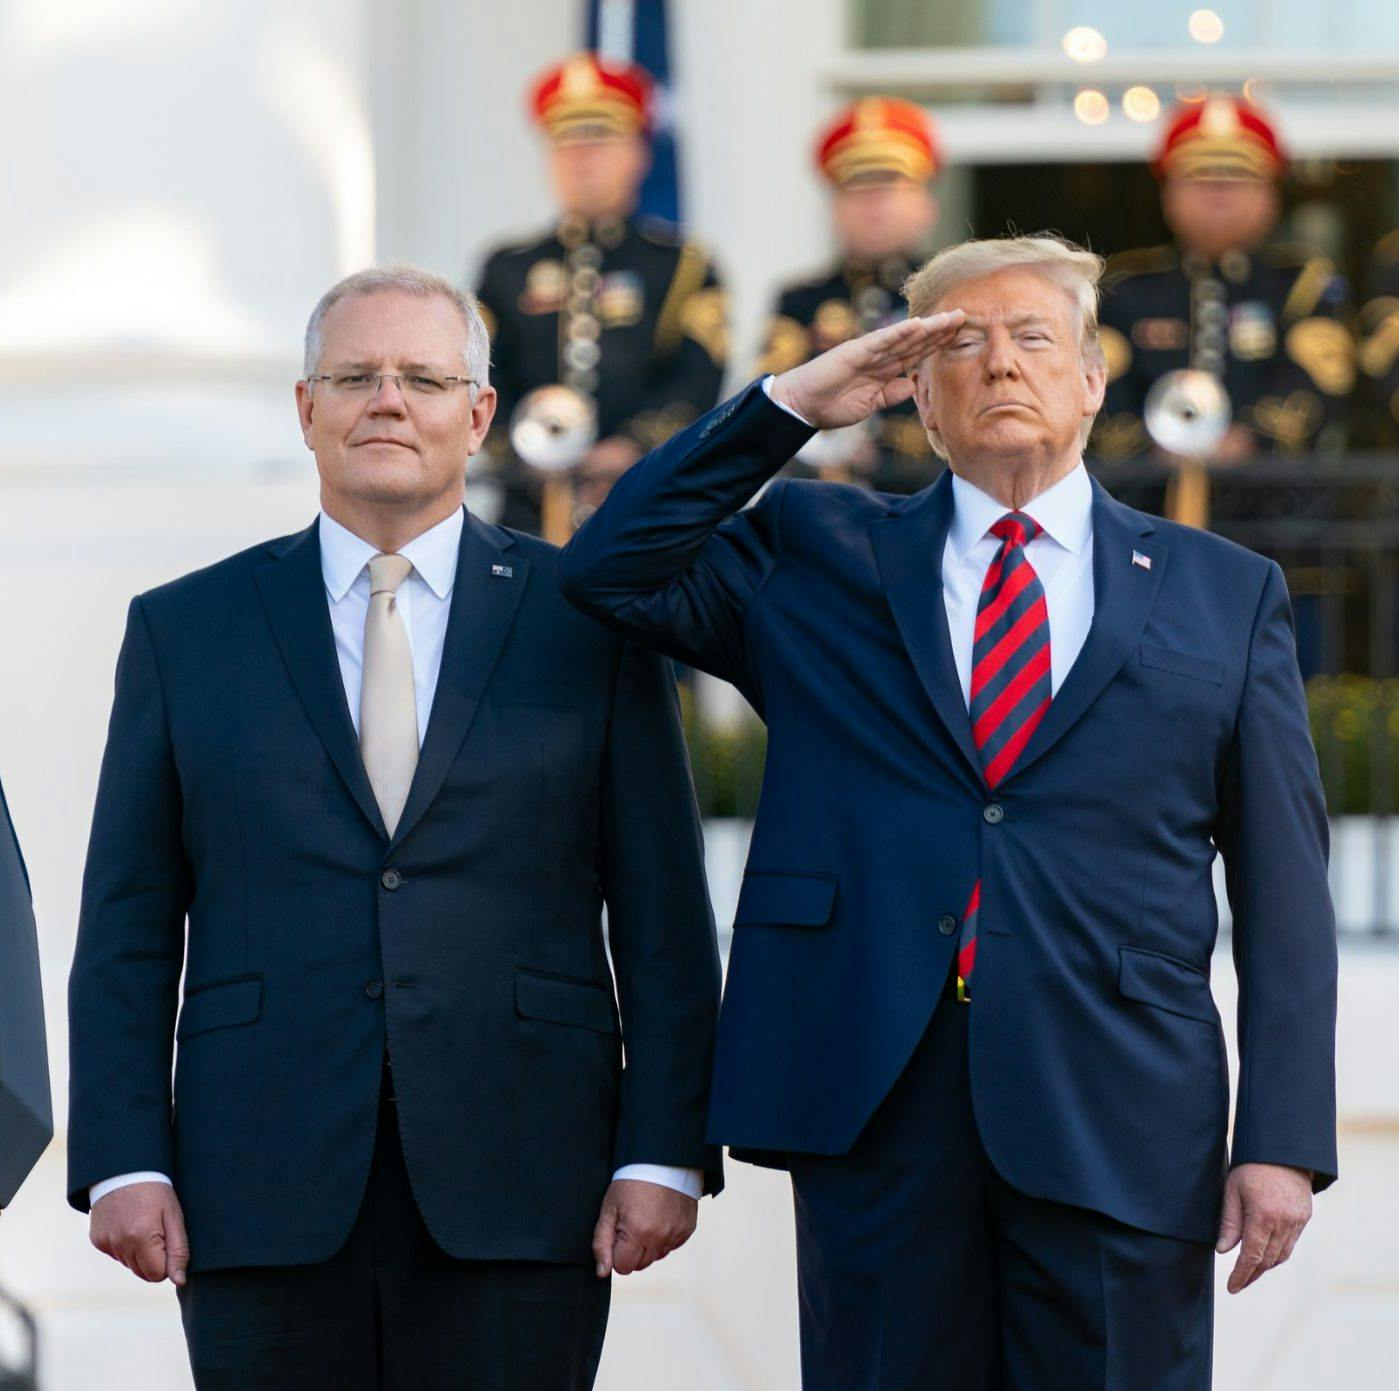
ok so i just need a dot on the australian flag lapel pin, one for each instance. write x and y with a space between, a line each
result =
1143 560
505 572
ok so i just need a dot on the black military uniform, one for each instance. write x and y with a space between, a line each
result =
1379 345
627 312
815 315
1270 325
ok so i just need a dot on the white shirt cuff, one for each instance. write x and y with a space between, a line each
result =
98 1191
690 1182
782 406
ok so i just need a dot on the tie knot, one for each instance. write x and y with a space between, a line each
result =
1016 528
387 572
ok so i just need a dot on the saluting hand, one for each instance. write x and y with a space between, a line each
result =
863 375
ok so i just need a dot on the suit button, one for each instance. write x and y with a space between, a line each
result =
391 879
993 814
947 924
374 989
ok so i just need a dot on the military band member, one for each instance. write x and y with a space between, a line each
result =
880 157
1266 320
1379 328
621 308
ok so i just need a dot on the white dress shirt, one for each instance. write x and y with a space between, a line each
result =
425 600
1061 555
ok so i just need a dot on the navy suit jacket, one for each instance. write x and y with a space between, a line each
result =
1098 1066
552 778
26 1110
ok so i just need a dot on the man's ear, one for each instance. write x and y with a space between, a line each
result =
305 409
1095 377
923 395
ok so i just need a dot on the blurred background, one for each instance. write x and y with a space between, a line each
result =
182 179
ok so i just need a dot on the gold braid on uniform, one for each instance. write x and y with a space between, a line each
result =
1325 351
1317 273
1290 422
1381 346
787 345
1119 436
1117 351
705 318
689 275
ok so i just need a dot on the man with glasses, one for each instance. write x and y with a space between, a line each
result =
389 779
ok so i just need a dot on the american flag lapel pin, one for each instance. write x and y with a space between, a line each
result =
505 572
1143 560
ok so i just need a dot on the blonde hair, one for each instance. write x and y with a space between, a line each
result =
1075 270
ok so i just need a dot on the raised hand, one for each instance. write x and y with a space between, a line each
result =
863 375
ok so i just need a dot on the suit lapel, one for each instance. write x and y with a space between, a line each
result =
908 549
1123 593
484 603
293 593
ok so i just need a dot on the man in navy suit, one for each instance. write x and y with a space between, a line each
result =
390 778
1009 723
26 1111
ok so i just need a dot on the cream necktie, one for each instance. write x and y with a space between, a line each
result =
388 711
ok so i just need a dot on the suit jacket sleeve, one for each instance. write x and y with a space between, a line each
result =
1273 836
665 561
660 927
123 989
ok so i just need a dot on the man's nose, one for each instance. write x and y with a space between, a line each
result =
1000 354
388 399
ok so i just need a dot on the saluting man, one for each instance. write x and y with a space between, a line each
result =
621 308
880 157
1265 320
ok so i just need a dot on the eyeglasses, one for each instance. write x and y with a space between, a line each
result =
370 383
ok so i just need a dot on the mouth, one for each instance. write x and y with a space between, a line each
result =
383 439
1005 406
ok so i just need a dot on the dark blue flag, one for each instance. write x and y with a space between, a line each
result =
635 31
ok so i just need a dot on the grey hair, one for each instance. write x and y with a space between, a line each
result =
406 280
1077 271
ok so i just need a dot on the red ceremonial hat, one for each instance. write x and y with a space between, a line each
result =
1222 137
586 96
879 135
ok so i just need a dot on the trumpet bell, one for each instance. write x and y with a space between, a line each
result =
1188 412
553 427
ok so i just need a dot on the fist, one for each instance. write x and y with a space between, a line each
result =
143 1227
640 1223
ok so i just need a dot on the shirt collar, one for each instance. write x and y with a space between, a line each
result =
1064 512
434 555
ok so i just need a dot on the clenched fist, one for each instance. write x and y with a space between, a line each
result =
143 1227
640 1223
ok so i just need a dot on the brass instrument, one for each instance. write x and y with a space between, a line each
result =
552 430
1188 414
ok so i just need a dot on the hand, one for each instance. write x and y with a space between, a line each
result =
863 375
1266 1206
1239 444
143 1227
611 457
640 1223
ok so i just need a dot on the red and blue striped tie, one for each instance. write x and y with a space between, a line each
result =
1010 681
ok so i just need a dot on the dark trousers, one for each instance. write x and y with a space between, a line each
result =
393 1312
920 1269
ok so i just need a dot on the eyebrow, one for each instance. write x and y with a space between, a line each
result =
1015 320
407 367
